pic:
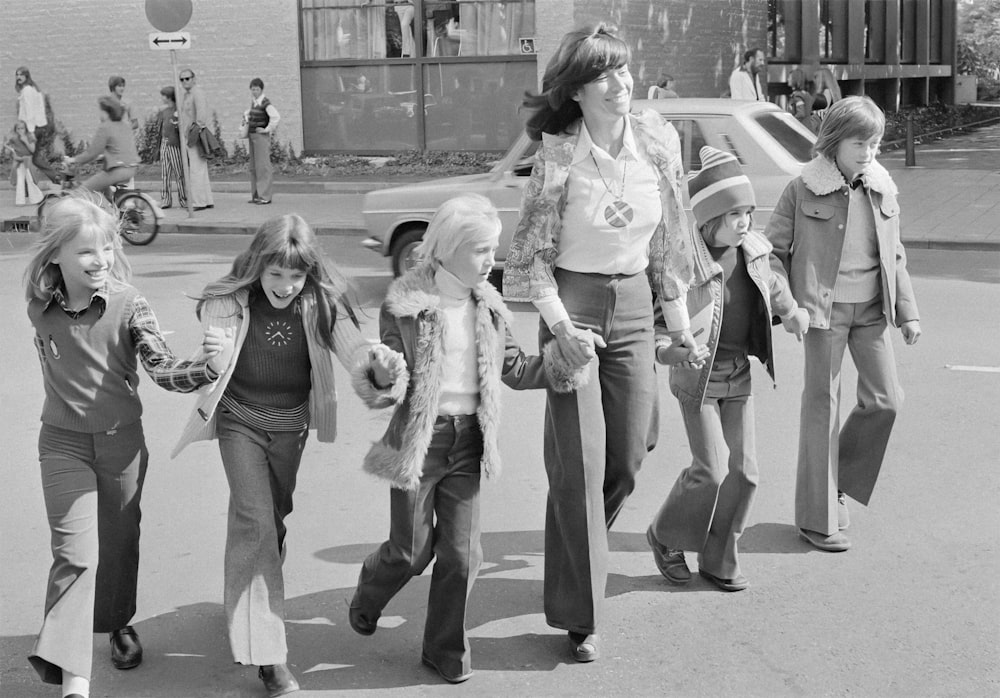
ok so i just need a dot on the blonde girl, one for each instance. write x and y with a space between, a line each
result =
288 311
21 144
91 330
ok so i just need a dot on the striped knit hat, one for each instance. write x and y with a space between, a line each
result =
720 187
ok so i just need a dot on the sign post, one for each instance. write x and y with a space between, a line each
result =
168 17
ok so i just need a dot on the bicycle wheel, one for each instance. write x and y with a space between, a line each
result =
138 224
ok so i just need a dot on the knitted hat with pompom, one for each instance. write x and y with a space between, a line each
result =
719 187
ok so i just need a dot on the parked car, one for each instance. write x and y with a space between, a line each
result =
771 145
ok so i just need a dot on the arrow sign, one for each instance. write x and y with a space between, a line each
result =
165 41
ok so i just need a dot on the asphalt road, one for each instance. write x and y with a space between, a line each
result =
912 610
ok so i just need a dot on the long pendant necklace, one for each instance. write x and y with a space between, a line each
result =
618 213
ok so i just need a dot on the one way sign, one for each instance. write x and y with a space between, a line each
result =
164 41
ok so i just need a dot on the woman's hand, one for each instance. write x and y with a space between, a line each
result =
684 338
911 331
578 346
380 364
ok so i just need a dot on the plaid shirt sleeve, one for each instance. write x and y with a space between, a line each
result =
166 370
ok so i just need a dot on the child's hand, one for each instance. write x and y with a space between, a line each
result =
677 355
797 322
218 346
911 331
381 366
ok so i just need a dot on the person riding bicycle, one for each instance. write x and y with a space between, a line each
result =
115 142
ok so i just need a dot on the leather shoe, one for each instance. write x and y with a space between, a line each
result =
843 516
584 647
278 680
450 678
738 583
126 652
671 563
165 204
199 208
833 543
360 623
253 200
263 202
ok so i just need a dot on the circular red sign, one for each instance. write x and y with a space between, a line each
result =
168 15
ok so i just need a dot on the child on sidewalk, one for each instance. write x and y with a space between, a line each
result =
730 303
168 150
451 326
835 232
287 310
89 326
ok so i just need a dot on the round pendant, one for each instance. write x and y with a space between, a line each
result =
619 214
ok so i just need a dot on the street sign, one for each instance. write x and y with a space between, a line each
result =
164 41
168 15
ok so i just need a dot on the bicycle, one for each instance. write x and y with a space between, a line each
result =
138 215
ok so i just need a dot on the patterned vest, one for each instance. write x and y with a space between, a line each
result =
259 118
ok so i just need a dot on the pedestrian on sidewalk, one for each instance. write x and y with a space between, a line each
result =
34 109
835 232
452 327
288 310
730 302
168 149
602 230
260 121
21 144
194 107
90 325
116 86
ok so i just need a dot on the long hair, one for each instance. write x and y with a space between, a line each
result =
288 242
581 58
851 117
27 79
62 220
823 79
456 221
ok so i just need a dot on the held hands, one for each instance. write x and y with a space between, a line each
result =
911 331
218 346
577 346
380 365
680 355
797 322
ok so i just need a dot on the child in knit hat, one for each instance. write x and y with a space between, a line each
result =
731 301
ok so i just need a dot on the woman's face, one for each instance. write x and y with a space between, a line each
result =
607 97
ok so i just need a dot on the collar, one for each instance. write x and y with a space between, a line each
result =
257 102
59 297
822 176
416 292
585 144
450 285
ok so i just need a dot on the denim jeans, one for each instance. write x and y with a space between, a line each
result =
261 468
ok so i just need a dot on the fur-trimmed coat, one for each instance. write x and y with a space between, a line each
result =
807 231
412 322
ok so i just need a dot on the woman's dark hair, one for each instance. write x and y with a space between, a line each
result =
169 92
581 58
257 82
114 81
112 107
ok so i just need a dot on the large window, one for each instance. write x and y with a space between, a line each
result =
784 30
386 75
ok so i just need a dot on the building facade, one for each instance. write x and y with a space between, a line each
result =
379 76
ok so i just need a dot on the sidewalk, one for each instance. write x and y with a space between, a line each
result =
950 200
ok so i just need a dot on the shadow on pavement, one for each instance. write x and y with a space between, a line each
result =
773 538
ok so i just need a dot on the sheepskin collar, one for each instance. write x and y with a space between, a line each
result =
821 176
415 292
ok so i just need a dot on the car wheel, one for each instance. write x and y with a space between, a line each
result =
404 255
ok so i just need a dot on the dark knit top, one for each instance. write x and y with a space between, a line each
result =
273 365
259 118
741 303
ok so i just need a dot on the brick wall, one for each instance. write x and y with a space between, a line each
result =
73 46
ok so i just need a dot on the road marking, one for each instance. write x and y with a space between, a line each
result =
979 369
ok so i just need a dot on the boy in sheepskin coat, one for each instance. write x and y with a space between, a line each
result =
451 327
835 232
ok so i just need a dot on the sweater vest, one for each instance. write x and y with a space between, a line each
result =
259 118
89 364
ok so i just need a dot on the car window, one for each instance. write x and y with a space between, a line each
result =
691 142
779 126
